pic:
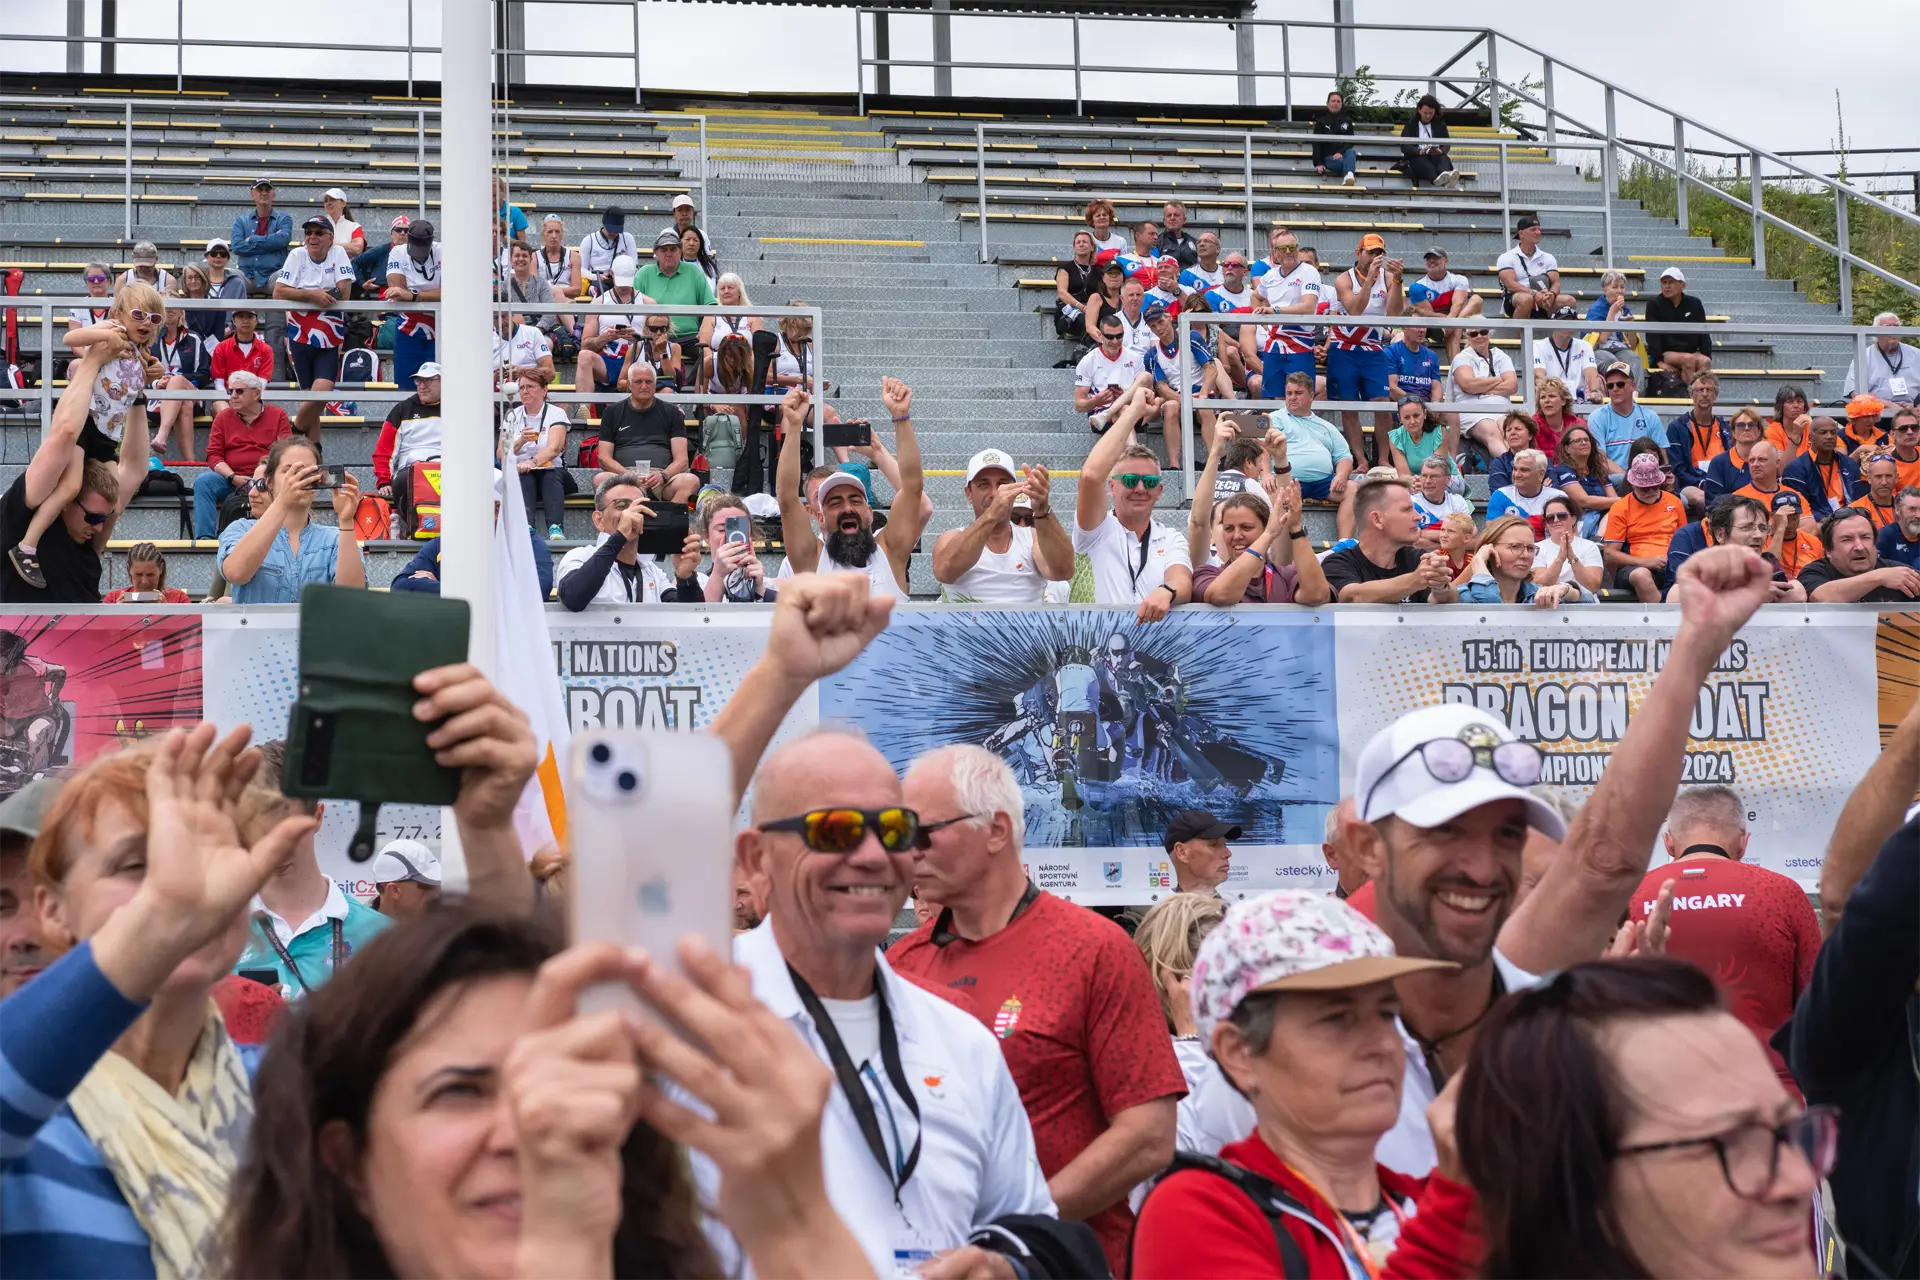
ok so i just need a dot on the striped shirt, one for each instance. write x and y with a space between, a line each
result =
61 1213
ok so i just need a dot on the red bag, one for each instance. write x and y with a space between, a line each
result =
373 521
416 495
589 452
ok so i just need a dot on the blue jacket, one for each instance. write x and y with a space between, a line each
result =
1852 1042
1689 539
1723 477
259 258
1893 546
1803 478
1680 450
1482 589
428 558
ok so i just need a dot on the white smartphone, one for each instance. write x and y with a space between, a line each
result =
650 838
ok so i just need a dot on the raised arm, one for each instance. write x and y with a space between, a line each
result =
1052 545
1872 813
796 528
1572 913
1200 519
908 517
1090 500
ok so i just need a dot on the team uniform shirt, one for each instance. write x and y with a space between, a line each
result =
1126 567
1000 577
1290 289
1096 373
1434 514
1533 271
1510 501
1145 270
1777 437
879 571
1438 294
977 1160
1798 551
1225 301
1570 365
1905 473
232 356
1069 997
1416 367
310 945
419 275
1494 364
1227 483
1164 363
1881 516
1580 551
1314 445
1114 245
522 350
1139 338
554 273
1616 431
596 255
85 317
323 329
1171 301
527 436
1751 929
411 434
1645 528
1356 338
1894 548
1197 279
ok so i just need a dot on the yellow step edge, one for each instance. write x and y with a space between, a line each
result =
821 158
1677 257
893 244
791 145
809 130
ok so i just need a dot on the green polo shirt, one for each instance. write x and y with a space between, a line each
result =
311 950
686 287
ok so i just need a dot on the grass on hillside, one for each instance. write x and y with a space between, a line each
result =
1874 235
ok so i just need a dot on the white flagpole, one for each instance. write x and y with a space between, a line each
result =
465 349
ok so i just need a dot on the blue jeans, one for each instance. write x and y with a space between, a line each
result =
1344 163
410 351
209 487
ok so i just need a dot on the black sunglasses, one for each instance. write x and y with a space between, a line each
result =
842 831
1555 517
96 518
924 840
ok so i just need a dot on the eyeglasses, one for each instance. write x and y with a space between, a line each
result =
1750 1153
145 317
1450 760
1614 384
1130 480
96 279
844 830
1286 248
924 840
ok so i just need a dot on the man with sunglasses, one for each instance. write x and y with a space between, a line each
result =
1105 373
1288 285
1135 559
1233 295
241 435
1904 436
1065 990
1620 421
320 275
924 1140
1443 813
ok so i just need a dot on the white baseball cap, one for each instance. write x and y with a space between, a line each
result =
334 193
990 460
623 272
427 370
838 480
1391 781
1674 273
682 202
406 860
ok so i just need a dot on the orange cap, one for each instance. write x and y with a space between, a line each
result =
1864 407
1371 240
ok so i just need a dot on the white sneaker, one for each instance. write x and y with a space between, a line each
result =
1098 422
1446 179
1346 180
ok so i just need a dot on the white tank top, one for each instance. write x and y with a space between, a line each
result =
879 571
1000 577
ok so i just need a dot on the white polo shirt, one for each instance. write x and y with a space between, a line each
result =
1096 373
419 275
977 1159
1532 270
1124 572
1570 366
523 350
650 584
1581 551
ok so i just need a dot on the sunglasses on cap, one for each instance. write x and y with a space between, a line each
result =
145 317
1450 760
1133 480
844 830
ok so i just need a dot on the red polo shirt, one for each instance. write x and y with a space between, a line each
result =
242 444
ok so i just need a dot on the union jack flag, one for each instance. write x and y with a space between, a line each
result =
316 328
417 323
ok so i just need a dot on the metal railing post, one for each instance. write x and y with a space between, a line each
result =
1606 222
1526 367
1286 68
980 182
819 380
636 55
1610 156
127 176
1680 173
1493 81
1184 336
1506 191
420 157
704 210
46 369
1078 100
1546 88
860 61
409 48
1757 195
179 46
1843 240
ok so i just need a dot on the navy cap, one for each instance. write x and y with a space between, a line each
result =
1197 824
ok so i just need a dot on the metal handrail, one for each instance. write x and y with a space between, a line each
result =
418 114
48 306
1528 330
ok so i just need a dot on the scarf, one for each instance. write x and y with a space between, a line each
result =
172 1156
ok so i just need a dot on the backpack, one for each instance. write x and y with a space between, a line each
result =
589 455
162 483
1664 384
416 499
373 520
359 364
1266 1195
720 439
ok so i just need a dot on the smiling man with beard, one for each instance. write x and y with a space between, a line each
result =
841 506
1444 813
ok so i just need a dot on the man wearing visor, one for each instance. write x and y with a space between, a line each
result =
1443 811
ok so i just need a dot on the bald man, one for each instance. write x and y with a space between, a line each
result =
926 1116
1763 474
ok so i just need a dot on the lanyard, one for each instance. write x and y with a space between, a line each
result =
1564 357
630 578
1827 477
286 957
1891 363
1430 1049
1146 536
1359 1256
943 934
565 270
850 1083
1702 447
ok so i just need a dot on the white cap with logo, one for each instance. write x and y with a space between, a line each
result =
990 460
406 860
1390 781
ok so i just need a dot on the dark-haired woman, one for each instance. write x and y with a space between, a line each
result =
442 1109
1425 151
1618 1121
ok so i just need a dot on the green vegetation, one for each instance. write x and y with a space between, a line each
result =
1874 235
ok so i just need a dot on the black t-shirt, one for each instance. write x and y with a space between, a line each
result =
1350 565
1821 572
1082 282
643 435
72 568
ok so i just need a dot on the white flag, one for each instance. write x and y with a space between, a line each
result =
526 672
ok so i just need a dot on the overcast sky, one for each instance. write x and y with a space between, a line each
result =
1758 68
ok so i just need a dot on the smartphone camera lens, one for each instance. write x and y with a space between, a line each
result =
601 753
627 780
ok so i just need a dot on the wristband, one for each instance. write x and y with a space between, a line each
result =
1296 533
1172 595
1283 471
905 417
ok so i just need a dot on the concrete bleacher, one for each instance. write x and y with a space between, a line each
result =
872 218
